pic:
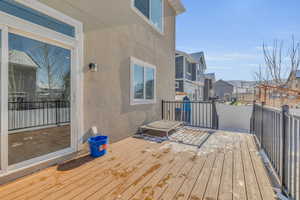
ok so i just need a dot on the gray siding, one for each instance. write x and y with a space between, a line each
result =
179 67
194 71
188 70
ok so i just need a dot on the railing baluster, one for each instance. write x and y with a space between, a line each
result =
195 113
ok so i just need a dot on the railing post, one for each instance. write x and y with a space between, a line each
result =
285 111
252 125
162 109
262 125
215 121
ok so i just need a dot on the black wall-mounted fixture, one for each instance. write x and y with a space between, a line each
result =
93 67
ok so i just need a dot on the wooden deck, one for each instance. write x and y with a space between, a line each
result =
226 167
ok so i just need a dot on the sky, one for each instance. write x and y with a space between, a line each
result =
231 32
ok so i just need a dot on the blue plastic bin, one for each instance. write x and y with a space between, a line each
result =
98 146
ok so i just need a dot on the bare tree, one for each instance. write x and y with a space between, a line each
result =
277 67
294 55
261 77
273 62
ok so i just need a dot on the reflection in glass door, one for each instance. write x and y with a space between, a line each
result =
38 99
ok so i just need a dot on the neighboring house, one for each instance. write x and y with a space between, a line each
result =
244 91
22 76
190 75
120 54
243 86
223 90
209 81
293 81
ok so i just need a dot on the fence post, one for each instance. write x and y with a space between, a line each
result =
285 111
162 109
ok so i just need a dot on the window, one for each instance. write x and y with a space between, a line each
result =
152 10
143 81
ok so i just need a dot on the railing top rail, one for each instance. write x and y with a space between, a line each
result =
38 101
269 108
166 101
293 116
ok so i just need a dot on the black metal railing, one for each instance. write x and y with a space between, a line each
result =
23 115
195 113
278 133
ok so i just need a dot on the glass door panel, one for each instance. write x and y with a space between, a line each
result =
1 134
39 99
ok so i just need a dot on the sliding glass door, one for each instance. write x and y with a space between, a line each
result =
39 96
40 85
1 133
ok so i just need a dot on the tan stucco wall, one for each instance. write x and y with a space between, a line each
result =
114 33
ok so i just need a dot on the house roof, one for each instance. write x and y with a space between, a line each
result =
177 6
225 82
21 58
199 56
188 56
210 75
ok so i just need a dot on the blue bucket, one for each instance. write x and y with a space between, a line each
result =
98 146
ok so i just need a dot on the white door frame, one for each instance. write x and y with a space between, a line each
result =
12 24
3 99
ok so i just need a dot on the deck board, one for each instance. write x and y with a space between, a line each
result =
252 188
213 186
226 167
149 190
226 187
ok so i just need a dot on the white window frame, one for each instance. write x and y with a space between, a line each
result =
177 85
134 61
12 24
148 21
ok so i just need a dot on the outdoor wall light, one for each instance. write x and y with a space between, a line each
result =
93 67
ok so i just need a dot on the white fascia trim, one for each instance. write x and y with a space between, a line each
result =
177 6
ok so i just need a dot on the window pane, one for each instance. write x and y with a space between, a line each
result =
138 82
156 13
143 6
149 83
16 9
39 99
